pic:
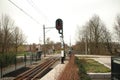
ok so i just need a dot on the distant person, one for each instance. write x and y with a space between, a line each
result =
70 53
39 53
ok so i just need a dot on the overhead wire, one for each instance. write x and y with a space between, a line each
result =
32 4
37 9
24 12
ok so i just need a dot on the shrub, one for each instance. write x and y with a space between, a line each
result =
7 59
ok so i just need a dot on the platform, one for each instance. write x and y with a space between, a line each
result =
55 72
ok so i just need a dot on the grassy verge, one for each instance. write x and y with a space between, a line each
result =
82 71
92 66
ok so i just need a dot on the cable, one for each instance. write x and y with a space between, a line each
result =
24 12
34 6
37 9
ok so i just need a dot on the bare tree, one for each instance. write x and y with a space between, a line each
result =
6 32
0 37
117 27
10 35
100 35
19 38
117 33
49 44
95 35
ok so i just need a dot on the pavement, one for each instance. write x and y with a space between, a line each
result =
106 61
55 72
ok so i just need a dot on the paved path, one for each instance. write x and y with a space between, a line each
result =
104 60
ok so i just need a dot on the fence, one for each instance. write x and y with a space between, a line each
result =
115 68
9 63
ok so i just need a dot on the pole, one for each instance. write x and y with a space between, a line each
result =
44 47
25 59
62 48
86 46
1 71
70 42
44 39
15 61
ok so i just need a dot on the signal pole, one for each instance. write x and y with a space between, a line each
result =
62 49
59 27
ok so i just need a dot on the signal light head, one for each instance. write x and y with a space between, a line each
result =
59 24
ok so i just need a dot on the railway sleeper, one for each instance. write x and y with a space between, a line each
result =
38 71
43 72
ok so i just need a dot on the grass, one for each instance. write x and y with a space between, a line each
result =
92 66
22 53
82 71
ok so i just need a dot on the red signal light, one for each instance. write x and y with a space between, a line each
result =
59 24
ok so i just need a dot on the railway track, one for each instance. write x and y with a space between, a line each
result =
38 71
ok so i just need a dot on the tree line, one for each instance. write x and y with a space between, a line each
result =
95 38
11 36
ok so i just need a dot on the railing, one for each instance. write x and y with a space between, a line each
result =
17 63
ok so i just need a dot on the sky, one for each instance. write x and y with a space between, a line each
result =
74 13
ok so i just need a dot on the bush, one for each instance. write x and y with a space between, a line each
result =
7 59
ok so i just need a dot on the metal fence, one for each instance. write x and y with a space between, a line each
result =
17 62
115 68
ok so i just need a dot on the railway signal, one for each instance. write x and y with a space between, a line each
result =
59 26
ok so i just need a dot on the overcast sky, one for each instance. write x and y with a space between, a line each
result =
74 13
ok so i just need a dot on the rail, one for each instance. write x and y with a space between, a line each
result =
38 71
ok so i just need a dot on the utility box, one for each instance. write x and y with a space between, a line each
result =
115 68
